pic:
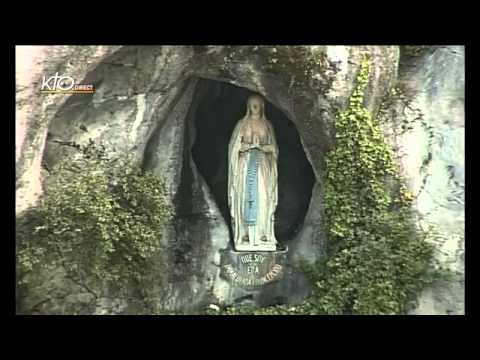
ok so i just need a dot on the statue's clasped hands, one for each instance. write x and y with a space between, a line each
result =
253 145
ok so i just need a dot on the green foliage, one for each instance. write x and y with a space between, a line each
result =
378 261
247 310
99 219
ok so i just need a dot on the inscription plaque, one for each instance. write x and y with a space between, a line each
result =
252 269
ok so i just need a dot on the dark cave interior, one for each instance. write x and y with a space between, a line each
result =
218 111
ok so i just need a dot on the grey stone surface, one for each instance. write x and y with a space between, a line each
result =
34 112
144 105
432 158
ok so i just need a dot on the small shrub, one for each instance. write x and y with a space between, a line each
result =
99 219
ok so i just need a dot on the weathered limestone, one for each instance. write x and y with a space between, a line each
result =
145 103
432 156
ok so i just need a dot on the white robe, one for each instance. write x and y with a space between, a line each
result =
267 195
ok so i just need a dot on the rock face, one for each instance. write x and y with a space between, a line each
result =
432 157
156 102
34 113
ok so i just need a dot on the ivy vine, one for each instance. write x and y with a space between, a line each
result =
378 261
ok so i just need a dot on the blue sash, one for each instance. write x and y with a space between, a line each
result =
251 188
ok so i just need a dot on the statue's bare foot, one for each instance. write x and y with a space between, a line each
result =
245 239
263 238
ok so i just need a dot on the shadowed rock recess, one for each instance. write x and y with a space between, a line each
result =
174 108
221 106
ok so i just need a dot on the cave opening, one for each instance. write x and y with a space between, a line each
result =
220 107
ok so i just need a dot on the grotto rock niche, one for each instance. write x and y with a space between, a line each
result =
173 108
222 106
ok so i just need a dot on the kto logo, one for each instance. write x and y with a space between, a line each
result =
64 85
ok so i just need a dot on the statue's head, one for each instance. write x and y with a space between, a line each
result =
255 106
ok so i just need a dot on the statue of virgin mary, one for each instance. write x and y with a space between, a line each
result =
252 179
